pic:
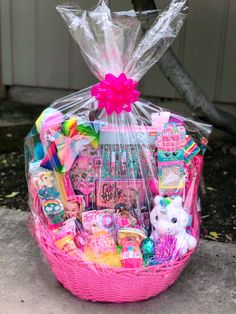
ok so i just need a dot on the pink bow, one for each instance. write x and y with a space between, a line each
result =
115 94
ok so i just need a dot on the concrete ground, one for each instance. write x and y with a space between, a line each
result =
208 284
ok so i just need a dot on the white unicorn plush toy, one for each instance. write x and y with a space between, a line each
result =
169 218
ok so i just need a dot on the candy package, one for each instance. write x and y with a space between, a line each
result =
113 179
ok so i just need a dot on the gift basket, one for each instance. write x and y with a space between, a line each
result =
113 179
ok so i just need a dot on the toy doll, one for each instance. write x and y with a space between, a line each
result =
124 218
74 207
130 203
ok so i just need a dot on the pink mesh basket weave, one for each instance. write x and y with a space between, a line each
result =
90 281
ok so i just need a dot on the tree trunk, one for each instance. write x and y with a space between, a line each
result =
193 95
143 5
181 80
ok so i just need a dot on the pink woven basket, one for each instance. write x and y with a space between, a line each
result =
95 282
91 281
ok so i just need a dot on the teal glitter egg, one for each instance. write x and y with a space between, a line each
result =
148 247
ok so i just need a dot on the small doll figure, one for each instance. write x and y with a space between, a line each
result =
127 213
74 207
124 218
130 199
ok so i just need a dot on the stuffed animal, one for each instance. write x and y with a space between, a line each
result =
169 218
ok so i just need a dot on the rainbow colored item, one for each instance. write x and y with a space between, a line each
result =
90 130
51 160
54 212
191 149
87 129
63 151
69 127
68 148
49 118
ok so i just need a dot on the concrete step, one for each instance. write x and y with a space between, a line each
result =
207 285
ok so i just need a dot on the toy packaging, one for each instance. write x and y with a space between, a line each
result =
113 179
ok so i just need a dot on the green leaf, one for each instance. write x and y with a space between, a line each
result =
13 194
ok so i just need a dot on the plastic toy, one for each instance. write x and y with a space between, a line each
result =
130 240
131 255
147 249
170 143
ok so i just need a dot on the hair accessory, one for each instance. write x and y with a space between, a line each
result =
50 117
69 127
51 160
91 132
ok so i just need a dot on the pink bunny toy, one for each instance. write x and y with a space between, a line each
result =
169 218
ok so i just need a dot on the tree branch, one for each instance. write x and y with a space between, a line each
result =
181 80
187 88
140 5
